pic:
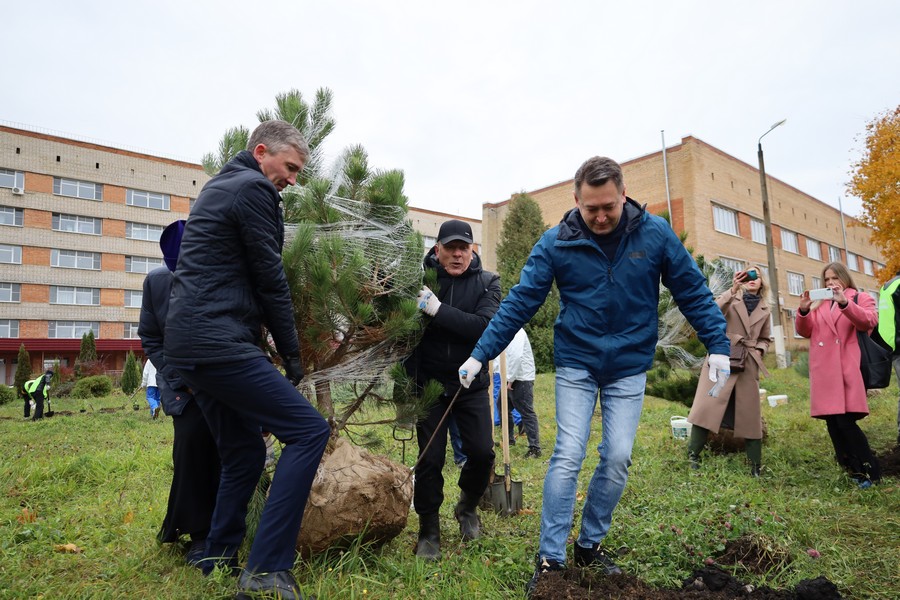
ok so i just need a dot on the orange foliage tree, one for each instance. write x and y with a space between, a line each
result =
876 181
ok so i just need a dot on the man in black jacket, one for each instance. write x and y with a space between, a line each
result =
229 282
460 310
195 460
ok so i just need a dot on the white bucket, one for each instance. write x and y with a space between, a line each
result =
681 429
762 395
777 399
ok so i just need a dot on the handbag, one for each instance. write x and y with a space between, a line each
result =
875 359
737 357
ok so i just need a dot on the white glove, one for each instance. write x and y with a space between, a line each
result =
717 363
427 301
469 371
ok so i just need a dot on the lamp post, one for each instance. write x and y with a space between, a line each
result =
778 332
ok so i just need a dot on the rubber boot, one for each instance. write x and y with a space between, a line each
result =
429 545
466 512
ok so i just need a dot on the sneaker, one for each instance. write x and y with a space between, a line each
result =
155 412
277 584
544 565
533 453
595 557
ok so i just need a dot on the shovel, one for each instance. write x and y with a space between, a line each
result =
506 495
49 412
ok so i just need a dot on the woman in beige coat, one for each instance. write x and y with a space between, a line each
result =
737 404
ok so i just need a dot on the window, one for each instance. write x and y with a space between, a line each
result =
133 298
813 249
734 265
834 254
725 220
10 292
867 267
792 314
141 264
11 179
77 189
758 231
72 329
74 295
75 259
10 216
9 328
816 283
143 231
852 262
130 331
77 224
147 199
11 255
795 284
789 242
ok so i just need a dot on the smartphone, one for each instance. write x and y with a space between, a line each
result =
821 294
752 275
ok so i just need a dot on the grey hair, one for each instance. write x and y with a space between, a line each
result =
597 171
276 136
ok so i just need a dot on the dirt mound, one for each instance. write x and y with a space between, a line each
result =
709 583
757 554
890 462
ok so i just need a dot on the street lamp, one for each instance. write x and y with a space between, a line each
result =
778 332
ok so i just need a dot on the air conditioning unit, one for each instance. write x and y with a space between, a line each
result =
18 191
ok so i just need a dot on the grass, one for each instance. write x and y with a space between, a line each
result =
82 497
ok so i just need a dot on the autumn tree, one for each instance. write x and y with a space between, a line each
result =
876 181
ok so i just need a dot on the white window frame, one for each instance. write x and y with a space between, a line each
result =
11 216
834 254
795 283
71 330
130 331
852 262
815 283
77 224
75 188
790 241
10 255
757 231
732 263
725 220
10 292
147 199
10 179
74 259
813 249
9 328
867 267
77 296
143 231
141 264
133 298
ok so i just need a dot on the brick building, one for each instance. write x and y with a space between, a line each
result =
715 198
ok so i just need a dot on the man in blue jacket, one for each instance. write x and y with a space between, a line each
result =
607 256
229 282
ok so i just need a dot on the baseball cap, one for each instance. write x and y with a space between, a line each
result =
455 230
170 243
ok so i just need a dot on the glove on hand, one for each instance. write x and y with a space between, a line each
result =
469 371
427 301
293 370
717 363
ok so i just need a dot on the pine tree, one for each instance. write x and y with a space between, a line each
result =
131 374
522 228
87 354
23 370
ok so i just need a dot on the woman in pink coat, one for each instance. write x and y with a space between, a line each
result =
837 393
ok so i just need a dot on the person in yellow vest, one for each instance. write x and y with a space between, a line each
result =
889 324
37 390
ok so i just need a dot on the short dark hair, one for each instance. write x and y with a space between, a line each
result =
597 171
278 135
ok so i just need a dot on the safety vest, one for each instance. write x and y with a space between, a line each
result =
32 386
887 312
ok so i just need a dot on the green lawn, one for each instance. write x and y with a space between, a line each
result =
97 483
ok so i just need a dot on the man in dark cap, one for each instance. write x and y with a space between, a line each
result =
457 314
37 390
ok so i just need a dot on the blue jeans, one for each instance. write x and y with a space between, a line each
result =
516 417
152 397
620 407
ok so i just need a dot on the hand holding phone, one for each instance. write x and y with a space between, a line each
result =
821 294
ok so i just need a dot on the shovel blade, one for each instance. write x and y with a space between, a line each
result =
506 503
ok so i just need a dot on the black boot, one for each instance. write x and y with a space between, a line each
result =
694 459
429 545
755 469
467 515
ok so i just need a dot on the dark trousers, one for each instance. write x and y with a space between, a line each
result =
851 447
195 477
27 404
239 401
38 408
472 412
521 398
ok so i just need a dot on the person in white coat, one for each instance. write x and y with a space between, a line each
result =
520 385
148 380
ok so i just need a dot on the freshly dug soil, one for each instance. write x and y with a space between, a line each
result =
890 462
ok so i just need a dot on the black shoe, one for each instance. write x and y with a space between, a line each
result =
521 428
277 584
544 565
155 413
466 512
595 557
428 546
755 470
196 552
533 453
694 459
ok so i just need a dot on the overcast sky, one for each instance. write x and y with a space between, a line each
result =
472 100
